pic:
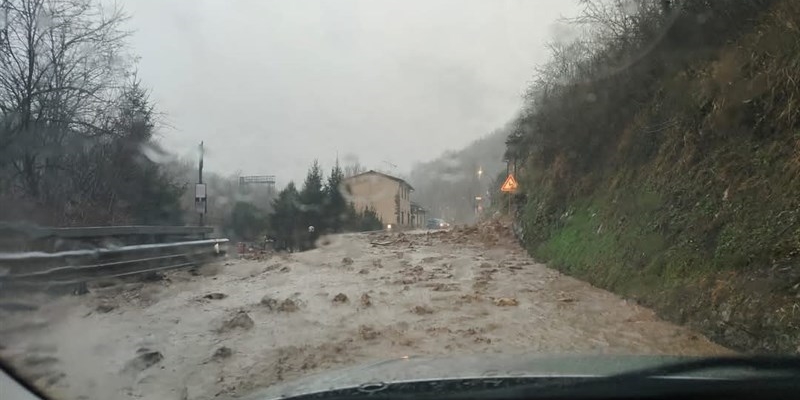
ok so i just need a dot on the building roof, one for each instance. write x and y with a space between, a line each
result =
373 172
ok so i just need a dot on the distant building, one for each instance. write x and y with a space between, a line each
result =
388 195
418 215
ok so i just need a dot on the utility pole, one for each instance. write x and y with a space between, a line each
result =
200 195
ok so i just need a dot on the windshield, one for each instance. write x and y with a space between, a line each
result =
211 198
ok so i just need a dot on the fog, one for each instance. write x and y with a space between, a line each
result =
271 85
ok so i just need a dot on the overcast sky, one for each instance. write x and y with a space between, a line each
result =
271 85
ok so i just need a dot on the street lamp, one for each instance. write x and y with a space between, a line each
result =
480 172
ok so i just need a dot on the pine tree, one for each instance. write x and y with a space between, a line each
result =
312 199
369 220
335 206
285 218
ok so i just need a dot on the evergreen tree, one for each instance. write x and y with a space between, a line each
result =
312 199
335 206
247 221
284 221
369 221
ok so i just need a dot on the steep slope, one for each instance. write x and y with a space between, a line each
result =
692 206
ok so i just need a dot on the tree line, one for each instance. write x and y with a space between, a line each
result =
580 102
76 123
320 203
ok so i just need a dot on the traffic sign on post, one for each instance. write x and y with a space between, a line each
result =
510 185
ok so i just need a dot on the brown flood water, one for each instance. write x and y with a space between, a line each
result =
247 324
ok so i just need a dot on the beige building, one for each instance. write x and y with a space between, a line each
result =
389 196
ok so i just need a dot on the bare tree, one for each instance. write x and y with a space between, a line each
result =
60 67
353 168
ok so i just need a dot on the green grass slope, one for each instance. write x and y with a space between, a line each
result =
696 212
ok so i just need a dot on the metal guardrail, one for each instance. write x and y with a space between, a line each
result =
16 236
42 270
119 231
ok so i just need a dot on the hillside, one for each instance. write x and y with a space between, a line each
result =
447 186
675 179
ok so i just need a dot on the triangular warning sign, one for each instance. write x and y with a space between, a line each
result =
510 185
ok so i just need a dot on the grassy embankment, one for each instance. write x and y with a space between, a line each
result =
696 210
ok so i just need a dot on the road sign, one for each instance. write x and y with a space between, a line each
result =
510 185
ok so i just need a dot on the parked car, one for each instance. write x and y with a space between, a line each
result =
437 223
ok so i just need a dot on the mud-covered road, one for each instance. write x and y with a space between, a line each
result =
245 324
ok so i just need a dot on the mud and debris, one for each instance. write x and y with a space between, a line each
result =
469 290
215 296
222 353
240 320
506 302
145 358
366 300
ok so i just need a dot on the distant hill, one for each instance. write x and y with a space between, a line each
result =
448 185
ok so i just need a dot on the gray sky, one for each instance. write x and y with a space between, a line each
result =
271 85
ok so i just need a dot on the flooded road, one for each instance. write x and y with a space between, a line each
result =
247 324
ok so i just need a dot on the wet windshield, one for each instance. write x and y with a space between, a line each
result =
211 198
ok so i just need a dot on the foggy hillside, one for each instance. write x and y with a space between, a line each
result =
448 185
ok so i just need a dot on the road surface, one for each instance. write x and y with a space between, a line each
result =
246 324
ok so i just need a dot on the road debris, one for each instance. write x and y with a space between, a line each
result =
145 358
222 353
288 305
440 297
105 308
269 302
366 300
241 320
506 302
422 310
368 332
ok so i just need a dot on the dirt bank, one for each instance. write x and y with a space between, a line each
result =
245 324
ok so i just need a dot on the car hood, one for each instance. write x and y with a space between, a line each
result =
479 366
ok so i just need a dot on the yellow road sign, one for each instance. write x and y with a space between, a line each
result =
510 185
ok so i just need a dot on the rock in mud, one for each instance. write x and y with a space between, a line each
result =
445 287
363 271
366 301
347 261
368 332
105 308
269 302
288 305
222 353
506 302
377 263
272 267
215 296
340 298
241 320
422 310
286 269
145 358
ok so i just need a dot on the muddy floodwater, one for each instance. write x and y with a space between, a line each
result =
239 325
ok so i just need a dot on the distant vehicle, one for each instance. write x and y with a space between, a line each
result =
437 223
